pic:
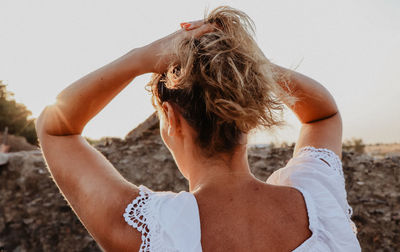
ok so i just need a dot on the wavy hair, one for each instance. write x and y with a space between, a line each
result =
222 83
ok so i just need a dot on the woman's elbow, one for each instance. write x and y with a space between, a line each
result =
52 122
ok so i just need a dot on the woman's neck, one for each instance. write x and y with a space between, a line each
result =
226 170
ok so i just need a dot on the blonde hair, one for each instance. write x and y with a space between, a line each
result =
222 83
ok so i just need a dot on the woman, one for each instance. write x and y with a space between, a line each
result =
212 85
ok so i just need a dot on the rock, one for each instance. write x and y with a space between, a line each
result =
18 143
35 217
30 206
3 158
150 124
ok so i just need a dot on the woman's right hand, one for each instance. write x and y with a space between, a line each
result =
159 55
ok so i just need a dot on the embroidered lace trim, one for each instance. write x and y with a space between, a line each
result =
326 155
138 214
333 161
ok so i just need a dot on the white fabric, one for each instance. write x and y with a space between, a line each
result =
167 221
318 175
171 222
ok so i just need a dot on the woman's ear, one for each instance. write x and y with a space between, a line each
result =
171 118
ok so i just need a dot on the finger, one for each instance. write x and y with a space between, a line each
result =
188 26
196 24
205 28
184 25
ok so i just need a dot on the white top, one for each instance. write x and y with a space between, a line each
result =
170 221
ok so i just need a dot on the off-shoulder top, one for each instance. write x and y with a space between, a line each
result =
170 221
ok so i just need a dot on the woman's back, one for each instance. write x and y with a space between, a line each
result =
252 216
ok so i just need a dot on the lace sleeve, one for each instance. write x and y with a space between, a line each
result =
334 162
139 215
325 155
168 221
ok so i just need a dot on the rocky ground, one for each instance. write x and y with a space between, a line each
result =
35 217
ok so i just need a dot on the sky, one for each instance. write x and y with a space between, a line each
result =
352 47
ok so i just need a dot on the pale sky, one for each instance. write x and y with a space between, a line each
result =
351 47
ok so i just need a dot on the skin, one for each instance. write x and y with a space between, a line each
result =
272 217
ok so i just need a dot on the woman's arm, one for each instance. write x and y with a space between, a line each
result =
95 190
316 109
83 99
86 97
92 186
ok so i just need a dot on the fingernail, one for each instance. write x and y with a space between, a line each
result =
183 24
186 25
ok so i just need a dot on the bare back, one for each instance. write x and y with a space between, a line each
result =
253 217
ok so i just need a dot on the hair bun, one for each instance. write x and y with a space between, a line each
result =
223 83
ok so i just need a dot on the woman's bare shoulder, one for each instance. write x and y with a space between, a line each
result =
276 216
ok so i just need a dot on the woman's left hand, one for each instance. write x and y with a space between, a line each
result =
158 55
